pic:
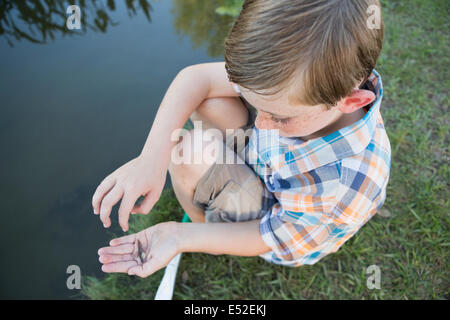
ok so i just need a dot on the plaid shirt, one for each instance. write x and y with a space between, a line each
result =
325 189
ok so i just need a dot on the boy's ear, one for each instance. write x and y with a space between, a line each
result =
356 100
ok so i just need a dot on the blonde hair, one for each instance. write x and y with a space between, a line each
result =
318 50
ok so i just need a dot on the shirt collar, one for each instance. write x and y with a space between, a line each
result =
303 156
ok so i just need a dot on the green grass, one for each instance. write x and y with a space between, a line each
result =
411 246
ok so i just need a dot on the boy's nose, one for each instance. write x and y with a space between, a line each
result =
263 121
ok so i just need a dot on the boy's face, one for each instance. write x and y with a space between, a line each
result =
275 112
307 122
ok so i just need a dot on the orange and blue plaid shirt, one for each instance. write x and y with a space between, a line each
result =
324 189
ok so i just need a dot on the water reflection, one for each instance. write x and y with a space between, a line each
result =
73 111
198 20
39 20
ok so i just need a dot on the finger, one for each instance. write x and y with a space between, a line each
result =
147 204
108 202
122 240
126 248
110 258
100 192
121 266
124 210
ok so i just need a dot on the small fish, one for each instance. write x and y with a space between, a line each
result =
141 252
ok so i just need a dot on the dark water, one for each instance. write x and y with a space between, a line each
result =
73 110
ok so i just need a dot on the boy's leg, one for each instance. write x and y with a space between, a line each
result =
185 176
219 113
215 191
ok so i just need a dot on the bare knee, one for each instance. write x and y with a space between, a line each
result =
193 156
221 113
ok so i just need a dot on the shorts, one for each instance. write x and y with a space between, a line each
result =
232 192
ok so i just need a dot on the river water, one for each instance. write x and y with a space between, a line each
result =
73 109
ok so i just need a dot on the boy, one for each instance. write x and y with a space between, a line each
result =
317 159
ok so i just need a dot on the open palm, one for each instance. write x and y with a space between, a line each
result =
141 253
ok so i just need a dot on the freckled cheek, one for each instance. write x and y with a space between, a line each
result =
263 122
290 127
297 127
295 124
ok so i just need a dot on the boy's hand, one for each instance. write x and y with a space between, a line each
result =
146 174
141 253
137 177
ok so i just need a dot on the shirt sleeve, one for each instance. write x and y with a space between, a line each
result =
298 238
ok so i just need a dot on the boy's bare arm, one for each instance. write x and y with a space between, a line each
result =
145 175
239 239
188 90
163 241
